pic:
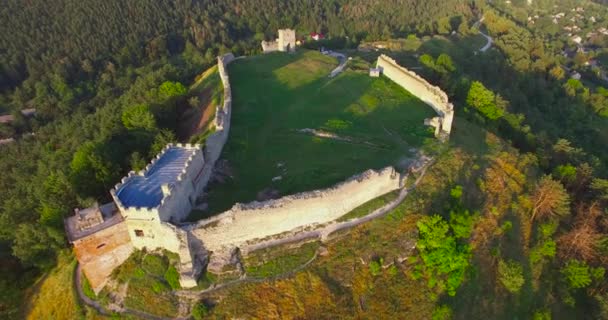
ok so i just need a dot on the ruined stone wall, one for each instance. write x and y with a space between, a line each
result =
221 123
419 87
256 220
101 252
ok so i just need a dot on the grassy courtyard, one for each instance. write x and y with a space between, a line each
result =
374 123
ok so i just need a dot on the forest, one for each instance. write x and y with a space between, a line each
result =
109 80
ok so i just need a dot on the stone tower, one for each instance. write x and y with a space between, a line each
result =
287 40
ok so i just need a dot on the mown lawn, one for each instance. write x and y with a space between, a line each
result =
276 95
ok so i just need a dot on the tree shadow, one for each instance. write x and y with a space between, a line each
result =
264 141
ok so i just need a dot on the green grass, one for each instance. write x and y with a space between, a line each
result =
86 287
148 289
279 260
276 95
370 206
54 297
195 124
151 295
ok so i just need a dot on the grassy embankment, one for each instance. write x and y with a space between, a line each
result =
208 92
275 96
54 297
151 278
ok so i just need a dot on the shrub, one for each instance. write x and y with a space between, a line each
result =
154 264
461 224
442 312
542 315
545 249
578 274
444 260
393 271
86 287
199 311
158 286
511 276
172 278
375 267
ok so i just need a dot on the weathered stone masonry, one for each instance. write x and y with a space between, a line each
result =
103 239
247 222
418 86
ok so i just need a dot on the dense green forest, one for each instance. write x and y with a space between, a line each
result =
108 80
87 67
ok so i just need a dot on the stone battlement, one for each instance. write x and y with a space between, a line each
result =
180 173
286 42
256 220
166 190
418 86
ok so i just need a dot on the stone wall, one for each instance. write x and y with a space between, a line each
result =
244 223
431 95
286 42
101 252
178 200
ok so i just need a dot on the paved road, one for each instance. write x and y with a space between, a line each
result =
490 40
489 44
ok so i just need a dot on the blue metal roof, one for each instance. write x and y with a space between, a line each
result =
145 191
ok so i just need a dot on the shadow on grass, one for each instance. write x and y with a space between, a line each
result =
275 96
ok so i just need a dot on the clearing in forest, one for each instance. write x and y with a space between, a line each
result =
294 129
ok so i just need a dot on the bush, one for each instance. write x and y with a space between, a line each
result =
442 312
158 287
199 311
172 278
154 264
86 288
375 267
542 315
511 275
578 274
444 260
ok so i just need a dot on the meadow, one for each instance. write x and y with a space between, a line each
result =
374 123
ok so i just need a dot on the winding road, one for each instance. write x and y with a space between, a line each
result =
488 38
489 44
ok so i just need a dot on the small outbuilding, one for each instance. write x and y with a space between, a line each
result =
317 36
375 72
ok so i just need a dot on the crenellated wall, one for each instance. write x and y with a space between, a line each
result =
248 222
245 224
418 86
177 201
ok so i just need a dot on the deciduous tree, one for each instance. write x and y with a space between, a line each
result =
549 199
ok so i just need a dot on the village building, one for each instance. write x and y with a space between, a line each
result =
317 36
374 72
29 112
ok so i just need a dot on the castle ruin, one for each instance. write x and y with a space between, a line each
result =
419 87
149 205
286 42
